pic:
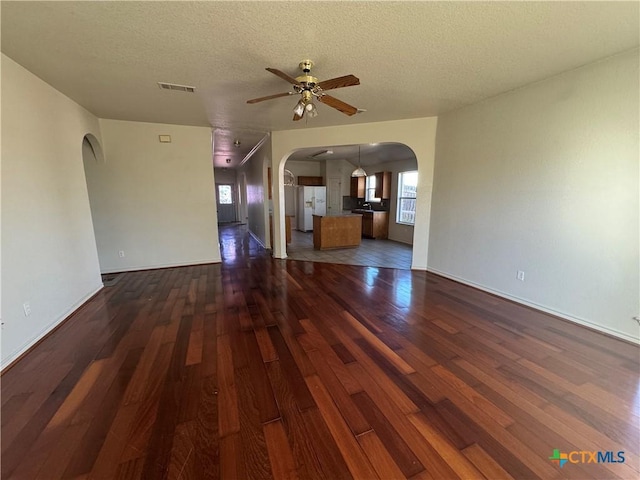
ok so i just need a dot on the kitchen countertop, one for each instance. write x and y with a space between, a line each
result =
360 211
344 214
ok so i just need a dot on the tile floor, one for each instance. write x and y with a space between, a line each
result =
371 253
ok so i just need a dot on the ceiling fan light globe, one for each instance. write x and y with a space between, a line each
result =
299 108
311 109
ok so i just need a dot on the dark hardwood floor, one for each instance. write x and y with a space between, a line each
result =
264 368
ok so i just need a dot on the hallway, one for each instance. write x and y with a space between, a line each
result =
264 368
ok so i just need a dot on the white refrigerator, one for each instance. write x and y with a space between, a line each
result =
311 201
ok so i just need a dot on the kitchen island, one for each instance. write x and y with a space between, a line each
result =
336 231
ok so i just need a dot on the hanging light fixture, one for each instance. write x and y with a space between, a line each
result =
289 179
311 109
299 109
305 104
359 172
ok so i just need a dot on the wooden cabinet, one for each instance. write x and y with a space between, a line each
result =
367 225
374 224
336 232
287 228
383 185
358 185
310 181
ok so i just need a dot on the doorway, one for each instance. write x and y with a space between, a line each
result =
334 187
225 203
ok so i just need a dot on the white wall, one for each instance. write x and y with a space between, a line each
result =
225 175
304 168
258 204
48 247
154 201
545 180
418 134
340 168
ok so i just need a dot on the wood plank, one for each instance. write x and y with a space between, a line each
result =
261 388
280 455
379 456
331 358
456 460
262 367
397 448
231 464
267 350
206 441
390 355
83 460
399 397
483 462
314 450
356 460
354 418
228 417
290 369
427 456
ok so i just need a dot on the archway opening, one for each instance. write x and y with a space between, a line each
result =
330 168
93 160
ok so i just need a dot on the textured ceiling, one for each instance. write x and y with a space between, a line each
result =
414 59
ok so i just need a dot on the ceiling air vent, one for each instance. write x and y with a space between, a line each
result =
174 86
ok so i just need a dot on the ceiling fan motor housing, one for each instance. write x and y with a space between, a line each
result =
306 96
308 82
306 66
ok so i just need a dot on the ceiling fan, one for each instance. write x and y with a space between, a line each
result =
308 87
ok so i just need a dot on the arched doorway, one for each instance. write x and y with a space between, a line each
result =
93 160
331 166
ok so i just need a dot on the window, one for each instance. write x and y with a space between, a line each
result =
224 195
370 194
407 186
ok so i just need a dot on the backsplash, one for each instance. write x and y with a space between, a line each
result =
350 203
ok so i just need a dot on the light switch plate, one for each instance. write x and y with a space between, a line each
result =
165 138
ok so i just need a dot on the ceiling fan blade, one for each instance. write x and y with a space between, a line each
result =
338 104
339 82
283 76
269 97
297 117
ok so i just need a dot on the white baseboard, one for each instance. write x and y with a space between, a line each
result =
257 239
580 321
153 267
40 335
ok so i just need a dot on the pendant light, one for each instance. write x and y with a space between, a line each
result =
359 172
289 179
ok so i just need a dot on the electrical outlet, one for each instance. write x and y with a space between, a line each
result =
520 275
27 309
121 253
